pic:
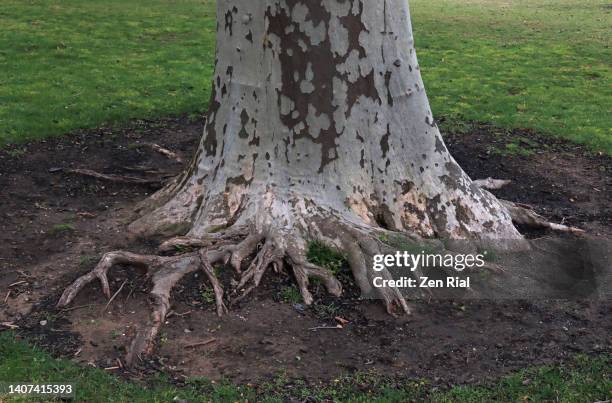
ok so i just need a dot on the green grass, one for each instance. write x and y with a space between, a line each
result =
541 64
72 64
290 295
582 380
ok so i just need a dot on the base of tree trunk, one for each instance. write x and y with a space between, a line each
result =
265 243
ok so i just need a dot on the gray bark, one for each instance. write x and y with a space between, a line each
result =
319 109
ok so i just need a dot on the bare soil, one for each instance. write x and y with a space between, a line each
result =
55 226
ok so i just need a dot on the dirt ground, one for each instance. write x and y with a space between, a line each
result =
56 225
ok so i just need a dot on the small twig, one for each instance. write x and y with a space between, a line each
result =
17 283
111 368
74 308
202 343
78 352
119 363
10 325
326 327
110 301
130 293
178 314
8 294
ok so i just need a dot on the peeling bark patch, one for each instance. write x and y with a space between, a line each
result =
229 22
355 26
440 146
364 86
294 62
406 186
244 119
384 142
388 87
210 140
437 215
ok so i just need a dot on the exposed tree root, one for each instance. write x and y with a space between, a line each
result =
169 154
522 214
525 216
116 178
492 184
251 252
214 281
166 271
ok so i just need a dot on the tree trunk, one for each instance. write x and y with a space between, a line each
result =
318 109
319 128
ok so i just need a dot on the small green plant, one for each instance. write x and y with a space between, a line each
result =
61 228
325 256
181 248
208 296
326 310
291 295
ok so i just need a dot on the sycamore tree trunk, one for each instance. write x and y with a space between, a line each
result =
319 128
318 110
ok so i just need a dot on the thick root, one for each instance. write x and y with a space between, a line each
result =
243 250
101 273
522 214
268 254
357 255
163 282
216 284
304 271
183 242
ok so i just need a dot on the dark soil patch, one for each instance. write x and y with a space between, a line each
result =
56 226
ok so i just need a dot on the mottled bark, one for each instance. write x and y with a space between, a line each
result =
318 109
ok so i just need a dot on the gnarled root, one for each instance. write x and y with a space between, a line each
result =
360 253
166 272
214 281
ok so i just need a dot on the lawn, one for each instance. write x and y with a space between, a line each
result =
78 63
583 379
542 64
